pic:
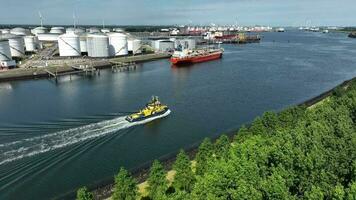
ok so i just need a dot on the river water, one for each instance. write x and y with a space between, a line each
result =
55 138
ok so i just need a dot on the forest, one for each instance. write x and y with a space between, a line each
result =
298 153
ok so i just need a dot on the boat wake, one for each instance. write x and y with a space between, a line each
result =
36 145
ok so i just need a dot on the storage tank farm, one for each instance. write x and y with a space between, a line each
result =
69 45
98 45
117 44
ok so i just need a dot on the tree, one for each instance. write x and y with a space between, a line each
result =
125 186
270 121
205 152
351 194
275 187
315 194
222 147
84 194
184 178
338 193
157 182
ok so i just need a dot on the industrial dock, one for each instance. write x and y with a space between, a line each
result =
36 52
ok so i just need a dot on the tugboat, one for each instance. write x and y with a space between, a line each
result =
153 110
195 56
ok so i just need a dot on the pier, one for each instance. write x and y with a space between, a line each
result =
61 67
122 66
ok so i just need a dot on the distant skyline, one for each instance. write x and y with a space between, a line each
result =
181 12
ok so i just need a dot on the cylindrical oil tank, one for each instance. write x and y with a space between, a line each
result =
83 42
31 43
94 30
119 30
155 44
187 43
69 45
105 30
19 31
17 47
5 31
134 46
48 37
39 30
5 53
57 30
165 45
98 45
75 30
117 44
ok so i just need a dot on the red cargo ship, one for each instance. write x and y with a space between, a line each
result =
195 56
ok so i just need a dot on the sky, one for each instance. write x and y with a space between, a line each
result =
181 12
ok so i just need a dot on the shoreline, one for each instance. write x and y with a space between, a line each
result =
103 189
39 72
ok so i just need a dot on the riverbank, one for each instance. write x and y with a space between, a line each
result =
103 190
65 66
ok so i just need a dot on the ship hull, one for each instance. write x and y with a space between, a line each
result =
196 59
153 116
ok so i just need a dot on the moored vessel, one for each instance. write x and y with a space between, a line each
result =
195 56
153 110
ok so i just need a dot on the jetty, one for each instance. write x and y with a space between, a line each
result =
60 67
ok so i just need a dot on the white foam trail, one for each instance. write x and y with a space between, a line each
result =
32 146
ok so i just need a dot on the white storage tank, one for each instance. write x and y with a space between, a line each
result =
165 45
5 53
98 45
83 43
105 30
69 45
39 30
185 44
31 43
119 30
117 44
134 46
75 30
94 30
5 31
17 47
19 31
190 43
48 37
57 30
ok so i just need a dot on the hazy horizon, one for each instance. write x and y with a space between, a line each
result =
182 12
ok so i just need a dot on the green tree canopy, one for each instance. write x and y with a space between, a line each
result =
222 147
125 186
184 177
157 182
84 194
205 153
